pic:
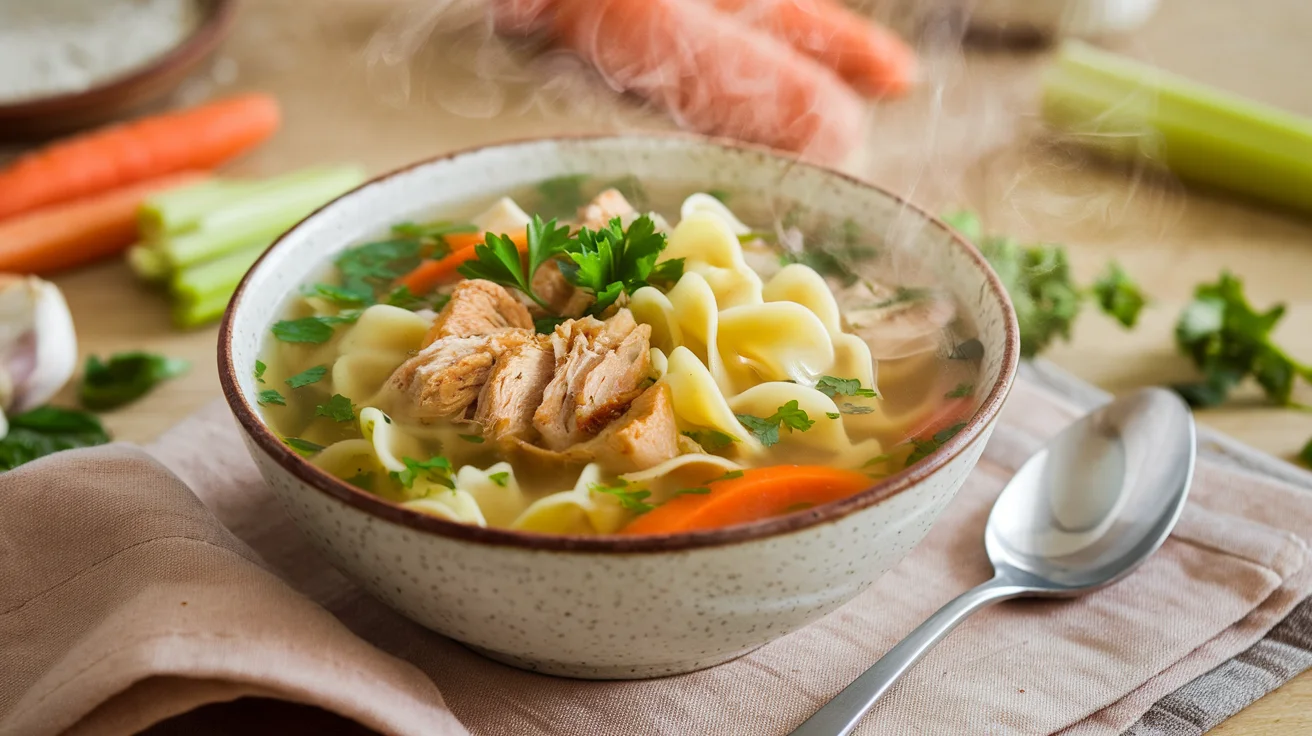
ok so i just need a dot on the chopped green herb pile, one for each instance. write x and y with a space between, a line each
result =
1228 340
436 469
124 378
922 448
1118 296
766 430
474 438
711 439
631 499
45 431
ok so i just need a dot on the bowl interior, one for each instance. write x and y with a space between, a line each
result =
917 243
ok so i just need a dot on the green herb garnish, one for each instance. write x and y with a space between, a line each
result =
904 295
338 409
728 476
963 390
336 294
922 448
305 448
833 387
45 431
613 260
562 196
833 415
1228 341
766 430
436 469
1305 455
308 376
402 298
499 478
314 330
364 481
548 325
1118 296
474 438
699 491
632 500
367 268
848 408
124 378
260 368
877 460
433 230
836 252
720 194
270 396
711 439
497 259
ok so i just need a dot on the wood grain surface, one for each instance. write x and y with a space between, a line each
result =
363 81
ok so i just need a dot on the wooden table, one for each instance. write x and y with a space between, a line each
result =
345 102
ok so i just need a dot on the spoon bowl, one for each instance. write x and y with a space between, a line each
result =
1080 514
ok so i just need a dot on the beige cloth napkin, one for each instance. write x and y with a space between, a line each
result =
124 600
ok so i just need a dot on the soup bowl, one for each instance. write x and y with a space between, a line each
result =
614 607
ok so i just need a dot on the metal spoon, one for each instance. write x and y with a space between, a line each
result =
1079 515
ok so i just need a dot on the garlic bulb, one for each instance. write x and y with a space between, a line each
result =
38 347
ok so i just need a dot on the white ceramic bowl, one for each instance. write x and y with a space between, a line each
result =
612 607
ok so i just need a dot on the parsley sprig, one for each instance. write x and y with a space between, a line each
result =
631 499
766 430
834 387
920 449
497 259
436 469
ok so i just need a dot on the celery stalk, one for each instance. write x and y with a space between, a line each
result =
219 276
264 212
178 210
188 314
148 263
1205 136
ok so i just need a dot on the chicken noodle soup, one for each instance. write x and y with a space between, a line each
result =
611 372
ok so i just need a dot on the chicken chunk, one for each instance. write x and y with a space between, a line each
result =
561 296
603 208
479 307
579 400
445 378
513 391
643 437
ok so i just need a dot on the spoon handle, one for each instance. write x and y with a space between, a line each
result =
839 716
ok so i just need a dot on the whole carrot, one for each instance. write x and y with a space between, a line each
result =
866 55
199 138
75 233
713 74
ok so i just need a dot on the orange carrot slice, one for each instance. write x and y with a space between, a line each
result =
200 138
866 55
760 493
75 233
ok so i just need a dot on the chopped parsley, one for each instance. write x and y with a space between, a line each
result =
302 447
630 499
260 368
699 491
732 474
612 260
833 415
436 469
922 448
335 294
497 259
962 391
548 325
308 376
368 268
562 196
1118 296
433 230
45 431
834 387
499 478
904 295
877 460
402 298
711 439
766 430
475 438
338 409
314 330
124 378
364 481
270 396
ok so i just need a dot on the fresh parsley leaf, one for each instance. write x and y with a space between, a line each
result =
1118 296
1039 281
548 325
308 376
499 478
338 295
305 448
562 195
720 194
711 439
967 224
124 378
260 368
833 415
367 268
474 438
877 460
1305 455
699 491
832 387
922 448
402 298
433 229
497 259
729 476
666 273
45 431
632 500
338 409
766 430
613 260
364 481
314 330
963 390
1228 340
270 396
436 469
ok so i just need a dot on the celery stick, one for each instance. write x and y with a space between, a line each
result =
148 263
263 213
1203 135
178 210
188 314
219 276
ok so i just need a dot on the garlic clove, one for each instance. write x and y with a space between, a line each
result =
38 345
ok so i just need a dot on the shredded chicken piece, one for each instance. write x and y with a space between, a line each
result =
605 207
445 378
513 391
479 307
643 437
561 296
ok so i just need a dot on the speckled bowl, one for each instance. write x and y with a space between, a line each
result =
613 607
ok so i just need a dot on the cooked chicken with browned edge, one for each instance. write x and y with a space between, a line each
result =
605 207
580 395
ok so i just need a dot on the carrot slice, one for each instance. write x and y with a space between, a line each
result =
866 55
759 493
75 233
429 274
199 138
713 73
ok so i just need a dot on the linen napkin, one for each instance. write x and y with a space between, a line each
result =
100 549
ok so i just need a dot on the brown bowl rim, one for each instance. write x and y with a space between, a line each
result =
342 491
211 32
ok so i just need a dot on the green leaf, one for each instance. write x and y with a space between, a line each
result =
612 260
338 409
545 241
1118 296
766 430
260 367
499 478
124 378
270 396
562 196
474 438
402 298
314 330
436 469
631 499
699 491
666 273
1305 455
497 260
720 194
904 295
437 229
922 448
966 223
548 325
338 295
45 431
367 268
305 448
832 387
834 415
877 460
848 408
732 474
308 376
963 390
711 440
364 481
